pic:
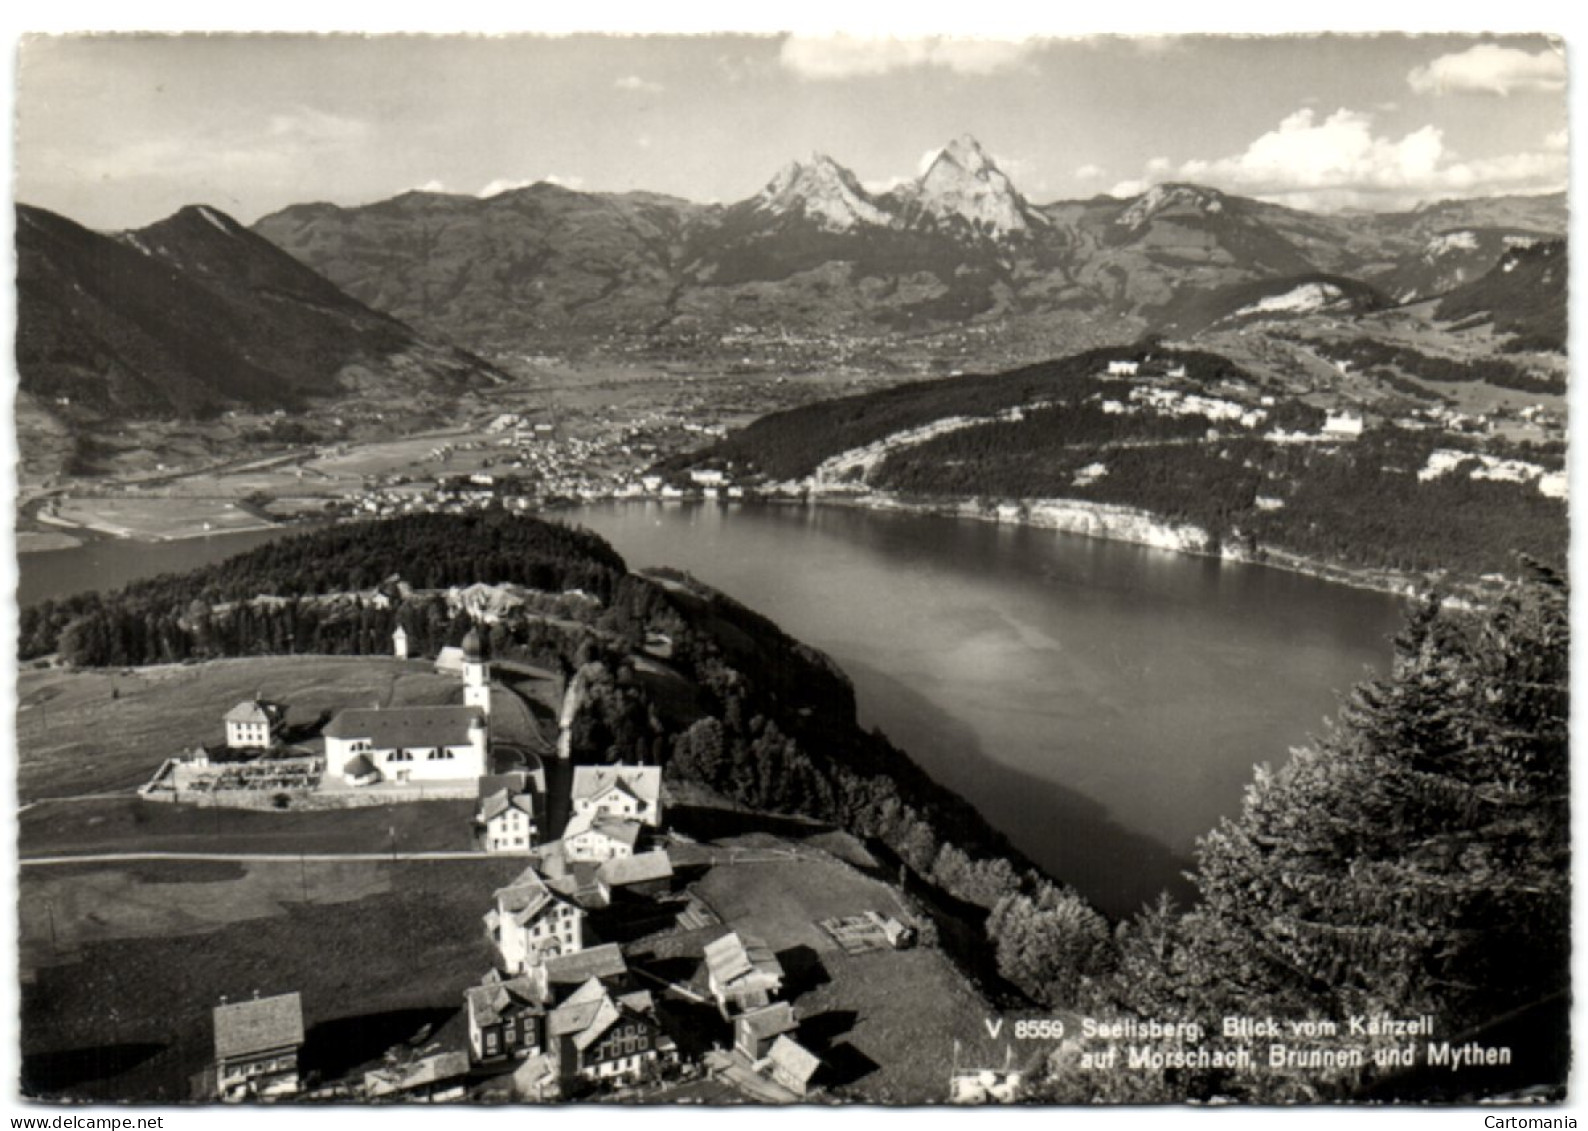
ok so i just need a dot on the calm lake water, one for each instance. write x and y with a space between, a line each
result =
1102 704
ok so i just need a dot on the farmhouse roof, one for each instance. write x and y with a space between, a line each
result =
769 1020
430 1070
255 711
245 1028
638 869
584 1016
525 898
605 961
637 1001
503 800
734 956
591 820
492 1001
796 1061
394 728
593 782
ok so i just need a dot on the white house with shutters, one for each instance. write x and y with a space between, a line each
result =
531 923
505 822
255 724
622 793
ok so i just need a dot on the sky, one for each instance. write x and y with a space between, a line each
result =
120 131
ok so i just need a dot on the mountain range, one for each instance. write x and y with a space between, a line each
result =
815 250
198 314
195 315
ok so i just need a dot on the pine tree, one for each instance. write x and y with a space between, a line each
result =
1414 860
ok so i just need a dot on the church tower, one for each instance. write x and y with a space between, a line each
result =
476 674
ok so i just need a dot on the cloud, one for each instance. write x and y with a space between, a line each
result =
265 148
1089 172
1558 141
1488 68
431 185
503 184
1158 166
306 126
845 56
635 83
1338 161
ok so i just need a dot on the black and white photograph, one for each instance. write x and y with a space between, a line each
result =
824 568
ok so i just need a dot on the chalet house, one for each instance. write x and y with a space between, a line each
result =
255 724
441 1078
629 793
742 972
1123 368
507 1017
646 873
530 923
505 822
596 1036
256 1047
407 744
792 1065
591 836
755 1031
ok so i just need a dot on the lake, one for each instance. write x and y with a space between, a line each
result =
1102 704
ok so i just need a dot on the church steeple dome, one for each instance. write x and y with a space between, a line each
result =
473 650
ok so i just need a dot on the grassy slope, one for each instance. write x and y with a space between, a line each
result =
133 825
130 1017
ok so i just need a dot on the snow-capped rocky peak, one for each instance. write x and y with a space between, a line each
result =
824 191
962 181
1171 198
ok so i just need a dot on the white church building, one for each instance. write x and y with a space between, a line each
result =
364 745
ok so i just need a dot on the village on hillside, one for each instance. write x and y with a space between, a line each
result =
563 1012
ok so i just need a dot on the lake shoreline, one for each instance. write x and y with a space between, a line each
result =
1172 538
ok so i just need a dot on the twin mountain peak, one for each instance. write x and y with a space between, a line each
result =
962 184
